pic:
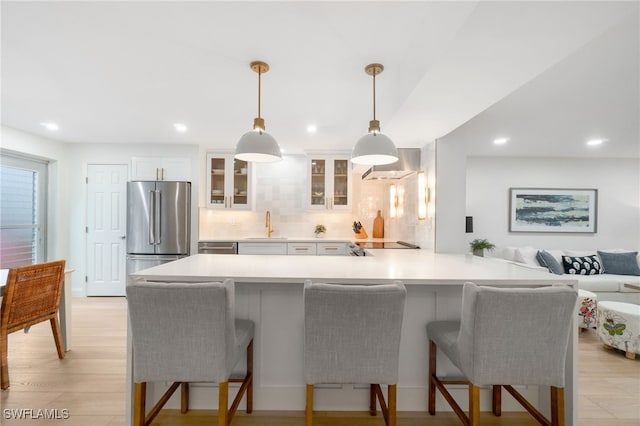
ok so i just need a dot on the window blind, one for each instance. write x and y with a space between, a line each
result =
19 227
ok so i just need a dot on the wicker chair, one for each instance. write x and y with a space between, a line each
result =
352 335
31 296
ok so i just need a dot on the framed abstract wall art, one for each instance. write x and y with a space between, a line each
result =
553 210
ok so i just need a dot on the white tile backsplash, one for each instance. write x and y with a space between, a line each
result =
282 188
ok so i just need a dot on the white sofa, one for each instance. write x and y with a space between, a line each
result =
606 286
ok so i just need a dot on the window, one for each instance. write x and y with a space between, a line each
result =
23 189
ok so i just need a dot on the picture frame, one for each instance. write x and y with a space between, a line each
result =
553 210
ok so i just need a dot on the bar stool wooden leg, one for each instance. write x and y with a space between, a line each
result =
557 406
250 373
139 399
184 397
223 400
391 402
308 411
373 408
496 404
432 372
474 405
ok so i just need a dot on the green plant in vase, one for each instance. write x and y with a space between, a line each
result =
479 245
319 230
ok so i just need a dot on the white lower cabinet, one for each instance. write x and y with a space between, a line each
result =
301 249
332 249
262 248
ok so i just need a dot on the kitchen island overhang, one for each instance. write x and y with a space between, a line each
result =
269 292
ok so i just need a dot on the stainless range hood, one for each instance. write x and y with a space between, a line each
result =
408 163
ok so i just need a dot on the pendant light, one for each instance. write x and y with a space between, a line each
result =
374 148
257 145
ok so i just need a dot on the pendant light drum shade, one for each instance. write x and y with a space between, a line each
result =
374 149
258 146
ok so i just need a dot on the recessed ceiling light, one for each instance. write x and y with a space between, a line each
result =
50 126
180 127
594 142
500 141
312 128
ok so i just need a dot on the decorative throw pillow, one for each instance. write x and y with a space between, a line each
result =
547 260
585 265
620 263
526 255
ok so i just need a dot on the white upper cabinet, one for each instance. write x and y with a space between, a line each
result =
160 168
329 182
229 182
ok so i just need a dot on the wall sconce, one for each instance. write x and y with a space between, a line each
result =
393 201
423 195
396 201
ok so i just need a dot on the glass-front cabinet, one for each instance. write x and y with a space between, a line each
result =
229 184
330 182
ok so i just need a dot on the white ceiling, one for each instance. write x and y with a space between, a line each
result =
124 72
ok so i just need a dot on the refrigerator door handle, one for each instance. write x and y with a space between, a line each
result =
152 204
157 217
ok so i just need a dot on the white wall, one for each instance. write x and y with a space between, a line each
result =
450 195
488 180
56 154
80 156
67 196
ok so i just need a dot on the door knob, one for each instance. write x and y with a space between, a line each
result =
123 237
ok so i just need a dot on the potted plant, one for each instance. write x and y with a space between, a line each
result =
320 230
479 245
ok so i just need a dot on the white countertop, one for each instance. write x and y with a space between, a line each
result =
276 240
411 266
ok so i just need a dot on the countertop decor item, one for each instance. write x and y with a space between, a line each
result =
374 148
378 226
479 245
359 230
319 230
258 145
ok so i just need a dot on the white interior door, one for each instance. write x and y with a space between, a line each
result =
106 229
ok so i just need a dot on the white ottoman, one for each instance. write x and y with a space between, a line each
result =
587 309
619 326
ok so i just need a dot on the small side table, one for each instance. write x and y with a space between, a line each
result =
619 326
587 309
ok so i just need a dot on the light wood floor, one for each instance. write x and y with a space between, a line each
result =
90 381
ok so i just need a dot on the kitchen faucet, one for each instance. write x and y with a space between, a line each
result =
268 224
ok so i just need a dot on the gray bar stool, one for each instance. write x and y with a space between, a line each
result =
506 337
352 335
186 332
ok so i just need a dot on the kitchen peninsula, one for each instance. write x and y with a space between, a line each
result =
269 292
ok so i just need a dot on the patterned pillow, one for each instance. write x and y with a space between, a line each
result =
585 265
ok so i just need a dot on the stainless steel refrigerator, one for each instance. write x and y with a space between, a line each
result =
158 223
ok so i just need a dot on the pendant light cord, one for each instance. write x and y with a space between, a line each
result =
374 94
259 87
